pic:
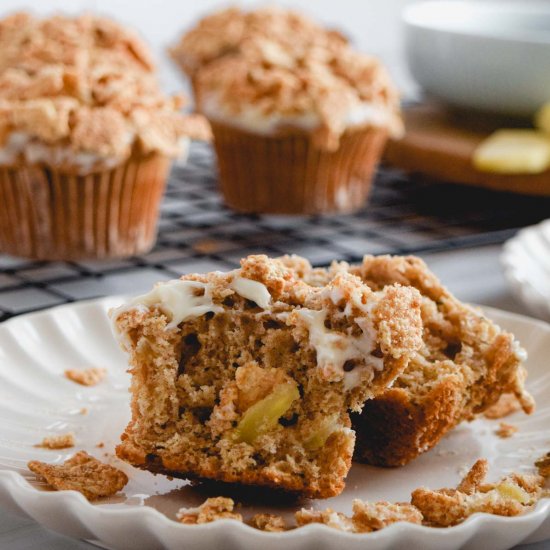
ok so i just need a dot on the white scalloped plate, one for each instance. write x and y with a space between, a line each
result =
36 400
526 262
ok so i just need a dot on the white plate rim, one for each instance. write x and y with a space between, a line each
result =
15 490
517 277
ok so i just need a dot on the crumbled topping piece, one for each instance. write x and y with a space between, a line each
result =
511 496
197 127
369 516
268 522
82 473
506 405
75 81
211 509
543 465
63 441
102 129
506 430
336 520
86 377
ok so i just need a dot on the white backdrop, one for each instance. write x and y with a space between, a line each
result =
373 25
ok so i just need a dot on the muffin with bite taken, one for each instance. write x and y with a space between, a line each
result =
299 118
86 139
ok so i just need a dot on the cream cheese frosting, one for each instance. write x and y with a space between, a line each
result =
253 119
22 147
334 349
182 300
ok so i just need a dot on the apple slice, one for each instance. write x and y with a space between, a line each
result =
513 152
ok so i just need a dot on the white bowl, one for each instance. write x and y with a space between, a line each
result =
491 56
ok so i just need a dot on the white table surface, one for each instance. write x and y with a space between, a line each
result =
474 275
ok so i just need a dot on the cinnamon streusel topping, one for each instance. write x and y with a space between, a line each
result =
86 84
276 65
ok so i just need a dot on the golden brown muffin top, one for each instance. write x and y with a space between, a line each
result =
276 64
86 83
227 31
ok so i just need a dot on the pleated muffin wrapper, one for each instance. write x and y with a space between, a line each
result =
286 173
49 213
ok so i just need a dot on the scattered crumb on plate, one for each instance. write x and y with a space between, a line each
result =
506 430
543 465
511 496
268 522
211 509
63 441
86 377
82 473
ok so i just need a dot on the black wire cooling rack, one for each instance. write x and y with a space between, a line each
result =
405 215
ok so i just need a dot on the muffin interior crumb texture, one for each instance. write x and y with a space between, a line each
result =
466 363
82 473
248 376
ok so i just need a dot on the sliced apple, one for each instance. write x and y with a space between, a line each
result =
262 417
514 152
319 437
509 490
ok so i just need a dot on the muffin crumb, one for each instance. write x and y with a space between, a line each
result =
63 441
210 510
506 430
82 473
268 522
511 496
86 377
366 517
543 465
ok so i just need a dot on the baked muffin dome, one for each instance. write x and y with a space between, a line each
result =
81 92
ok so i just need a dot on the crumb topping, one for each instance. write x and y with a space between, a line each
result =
511 496
82 473
543 465
506 430
86 377
211 509
64 441
84 83
276 65
268 522
366 517
230 30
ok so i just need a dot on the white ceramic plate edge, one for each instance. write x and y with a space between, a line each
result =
68 512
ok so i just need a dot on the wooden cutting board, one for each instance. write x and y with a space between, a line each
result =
439 144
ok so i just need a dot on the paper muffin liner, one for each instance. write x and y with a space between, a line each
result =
287 174
50 214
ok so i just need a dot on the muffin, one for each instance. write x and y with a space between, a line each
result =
86 138
465 364
299 118
255 372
